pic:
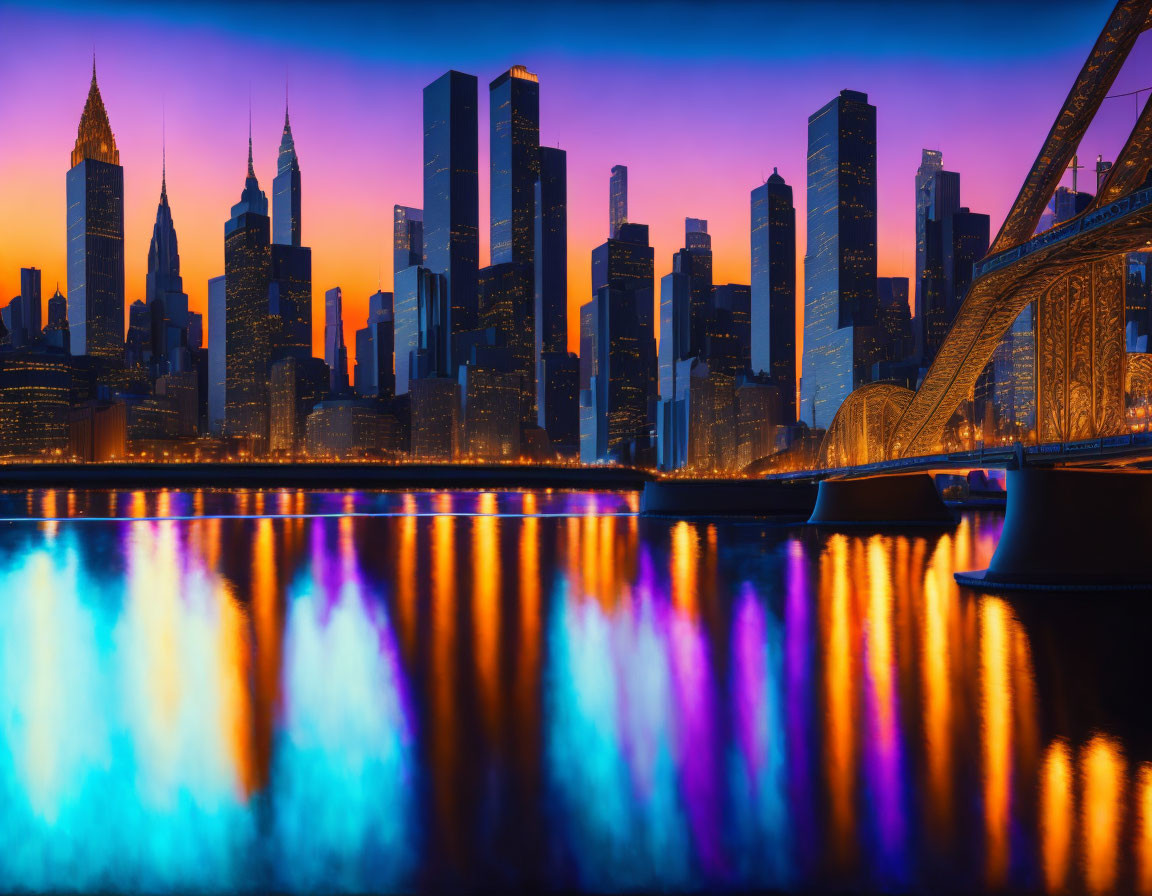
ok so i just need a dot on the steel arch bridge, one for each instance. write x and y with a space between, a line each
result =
1074 272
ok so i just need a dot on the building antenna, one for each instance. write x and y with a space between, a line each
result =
251 171
163 146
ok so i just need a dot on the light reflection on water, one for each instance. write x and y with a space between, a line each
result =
376 692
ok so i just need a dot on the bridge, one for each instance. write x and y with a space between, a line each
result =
1074 273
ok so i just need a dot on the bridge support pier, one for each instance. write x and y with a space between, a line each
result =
1069 529
894 499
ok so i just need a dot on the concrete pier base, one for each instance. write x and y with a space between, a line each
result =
897 499
728 497
1072 529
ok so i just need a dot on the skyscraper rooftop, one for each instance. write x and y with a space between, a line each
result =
94 137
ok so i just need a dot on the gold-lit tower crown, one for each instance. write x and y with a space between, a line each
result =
94 139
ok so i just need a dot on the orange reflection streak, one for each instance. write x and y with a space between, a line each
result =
235 698
1102 772
840 704
529 652
198 502
259 503
266 616
1056 815
590 555
406 581
139 505
685 562
607 591
1144 829
937 661
1027 725
48 510
880 653
996 704
284 502
443 668
486 608
71 502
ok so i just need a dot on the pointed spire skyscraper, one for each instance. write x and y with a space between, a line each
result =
164 289
95 191
291 295
286 190
247 281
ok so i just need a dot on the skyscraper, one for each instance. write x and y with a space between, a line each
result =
286 200
514 104
290 295
164 292
375 348
931 161
30 301
335 352
247 273
452 193
407 237
422 337
506 306
695 261
217 355
774 288
557 372
551 248
95 188
617 200
840 341
623 377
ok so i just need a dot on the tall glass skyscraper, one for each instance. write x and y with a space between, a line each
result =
286 200
840 337
617 200
30 301
774 288
164 292
514 141
407 237
335 352
290 295
452 193
931 161
95 190
551 248
247 273
217 354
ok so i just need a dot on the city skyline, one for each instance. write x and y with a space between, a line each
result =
713 172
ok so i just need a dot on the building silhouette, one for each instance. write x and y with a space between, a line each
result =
557 372
407 237
514 142
617 200
335 352
30 302
167 303
621 398
95 189
247 273
286 195
217 355
451 194
840 341
931 162
773 285
375 347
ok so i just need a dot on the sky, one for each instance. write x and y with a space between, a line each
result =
700 101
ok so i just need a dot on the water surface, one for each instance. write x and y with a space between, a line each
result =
220 691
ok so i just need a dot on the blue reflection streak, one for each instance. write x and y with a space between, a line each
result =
93 798
758 767
342 772
609 750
